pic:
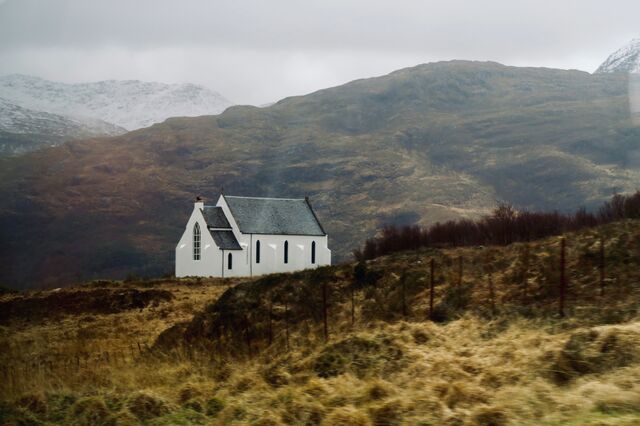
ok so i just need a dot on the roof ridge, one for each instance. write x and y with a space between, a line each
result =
264 198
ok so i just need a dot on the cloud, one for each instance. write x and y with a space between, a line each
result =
254 51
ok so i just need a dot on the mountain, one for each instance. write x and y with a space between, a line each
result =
23 130
130 104
433 142
625 59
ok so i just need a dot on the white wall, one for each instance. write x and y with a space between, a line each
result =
272 253
210 263
213 261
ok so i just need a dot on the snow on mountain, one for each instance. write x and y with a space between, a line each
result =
626 59
130 104
23 129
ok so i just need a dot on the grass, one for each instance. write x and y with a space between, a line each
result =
520 365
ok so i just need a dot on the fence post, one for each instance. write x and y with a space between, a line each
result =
601 266
563 283
492 295
403 280
525 274
270 321
286 322
431 288
247 334
324 311
353 305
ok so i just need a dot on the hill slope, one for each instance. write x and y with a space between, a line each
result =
71 360
23 130
626 59
421 144
130 104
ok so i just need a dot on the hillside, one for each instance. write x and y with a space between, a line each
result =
626 59
130 104
497 354
23 130
423 144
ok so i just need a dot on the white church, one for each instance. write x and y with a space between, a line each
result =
248 236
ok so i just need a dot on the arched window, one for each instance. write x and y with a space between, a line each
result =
258 251
313 253
286 252
196 241
229 262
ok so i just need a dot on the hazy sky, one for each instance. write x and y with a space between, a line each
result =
263 50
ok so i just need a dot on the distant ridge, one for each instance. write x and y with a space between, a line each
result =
130 104
625 59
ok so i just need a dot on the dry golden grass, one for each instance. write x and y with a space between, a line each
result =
474 369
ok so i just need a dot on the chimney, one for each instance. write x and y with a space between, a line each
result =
199 204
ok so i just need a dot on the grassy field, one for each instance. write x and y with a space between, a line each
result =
497 353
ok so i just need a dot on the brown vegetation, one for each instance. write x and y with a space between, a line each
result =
257 354
503 227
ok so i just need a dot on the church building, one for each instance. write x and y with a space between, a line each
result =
249 236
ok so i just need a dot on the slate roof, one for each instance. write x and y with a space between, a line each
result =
274 216
215 218
225 240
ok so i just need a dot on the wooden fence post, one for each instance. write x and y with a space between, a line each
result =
324 311
353 305
247 334
492 295
601 266
525 274
270 321
286 322
403 280
563 282
431 288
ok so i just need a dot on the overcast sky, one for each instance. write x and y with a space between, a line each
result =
260 51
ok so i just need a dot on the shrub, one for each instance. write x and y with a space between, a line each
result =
194 405
58 404
489 416
595 351
183 417
188 392
89 411
389 413
34 403
358 355
214 406
378 390
347 416
10 415
276 375
125 418
145 406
